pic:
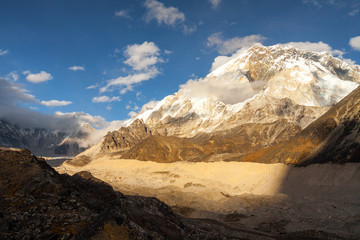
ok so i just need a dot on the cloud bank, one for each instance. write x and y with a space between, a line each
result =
226 88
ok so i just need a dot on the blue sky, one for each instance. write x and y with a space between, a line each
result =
108 58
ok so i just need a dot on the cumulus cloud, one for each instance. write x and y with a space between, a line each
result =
214 3
231 45
227 88
3 52
142 58
77 68
355 43
55 103
40 77
106 99
123 14
163 15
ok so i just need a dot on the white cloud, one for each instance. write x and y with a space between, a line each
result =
3 52
355 43
123 13
214 3
142 56
103 99
37 77
132 114
163 15
93 86
231 45
77 68
55 103
230 90
130 79
314 47
13 75
95 121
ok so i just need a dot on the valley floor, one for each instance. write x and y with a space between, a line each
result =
274 198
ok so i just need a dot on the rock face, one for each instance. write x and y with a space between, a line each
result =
126 137
334 137
43 142
116 142
213 146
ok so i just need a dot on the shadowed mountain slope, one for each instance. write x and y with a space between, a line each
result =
334 137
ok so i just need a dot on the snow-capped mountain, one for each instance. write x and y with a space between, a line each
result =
283 82
43 142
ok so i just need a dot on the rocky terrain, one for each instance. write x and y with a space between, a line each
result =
38 203
334 137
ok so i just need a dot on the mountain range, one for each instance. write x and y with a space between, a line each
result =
270 104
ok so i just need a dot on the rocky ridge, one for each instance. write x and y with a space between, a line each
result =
334 137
